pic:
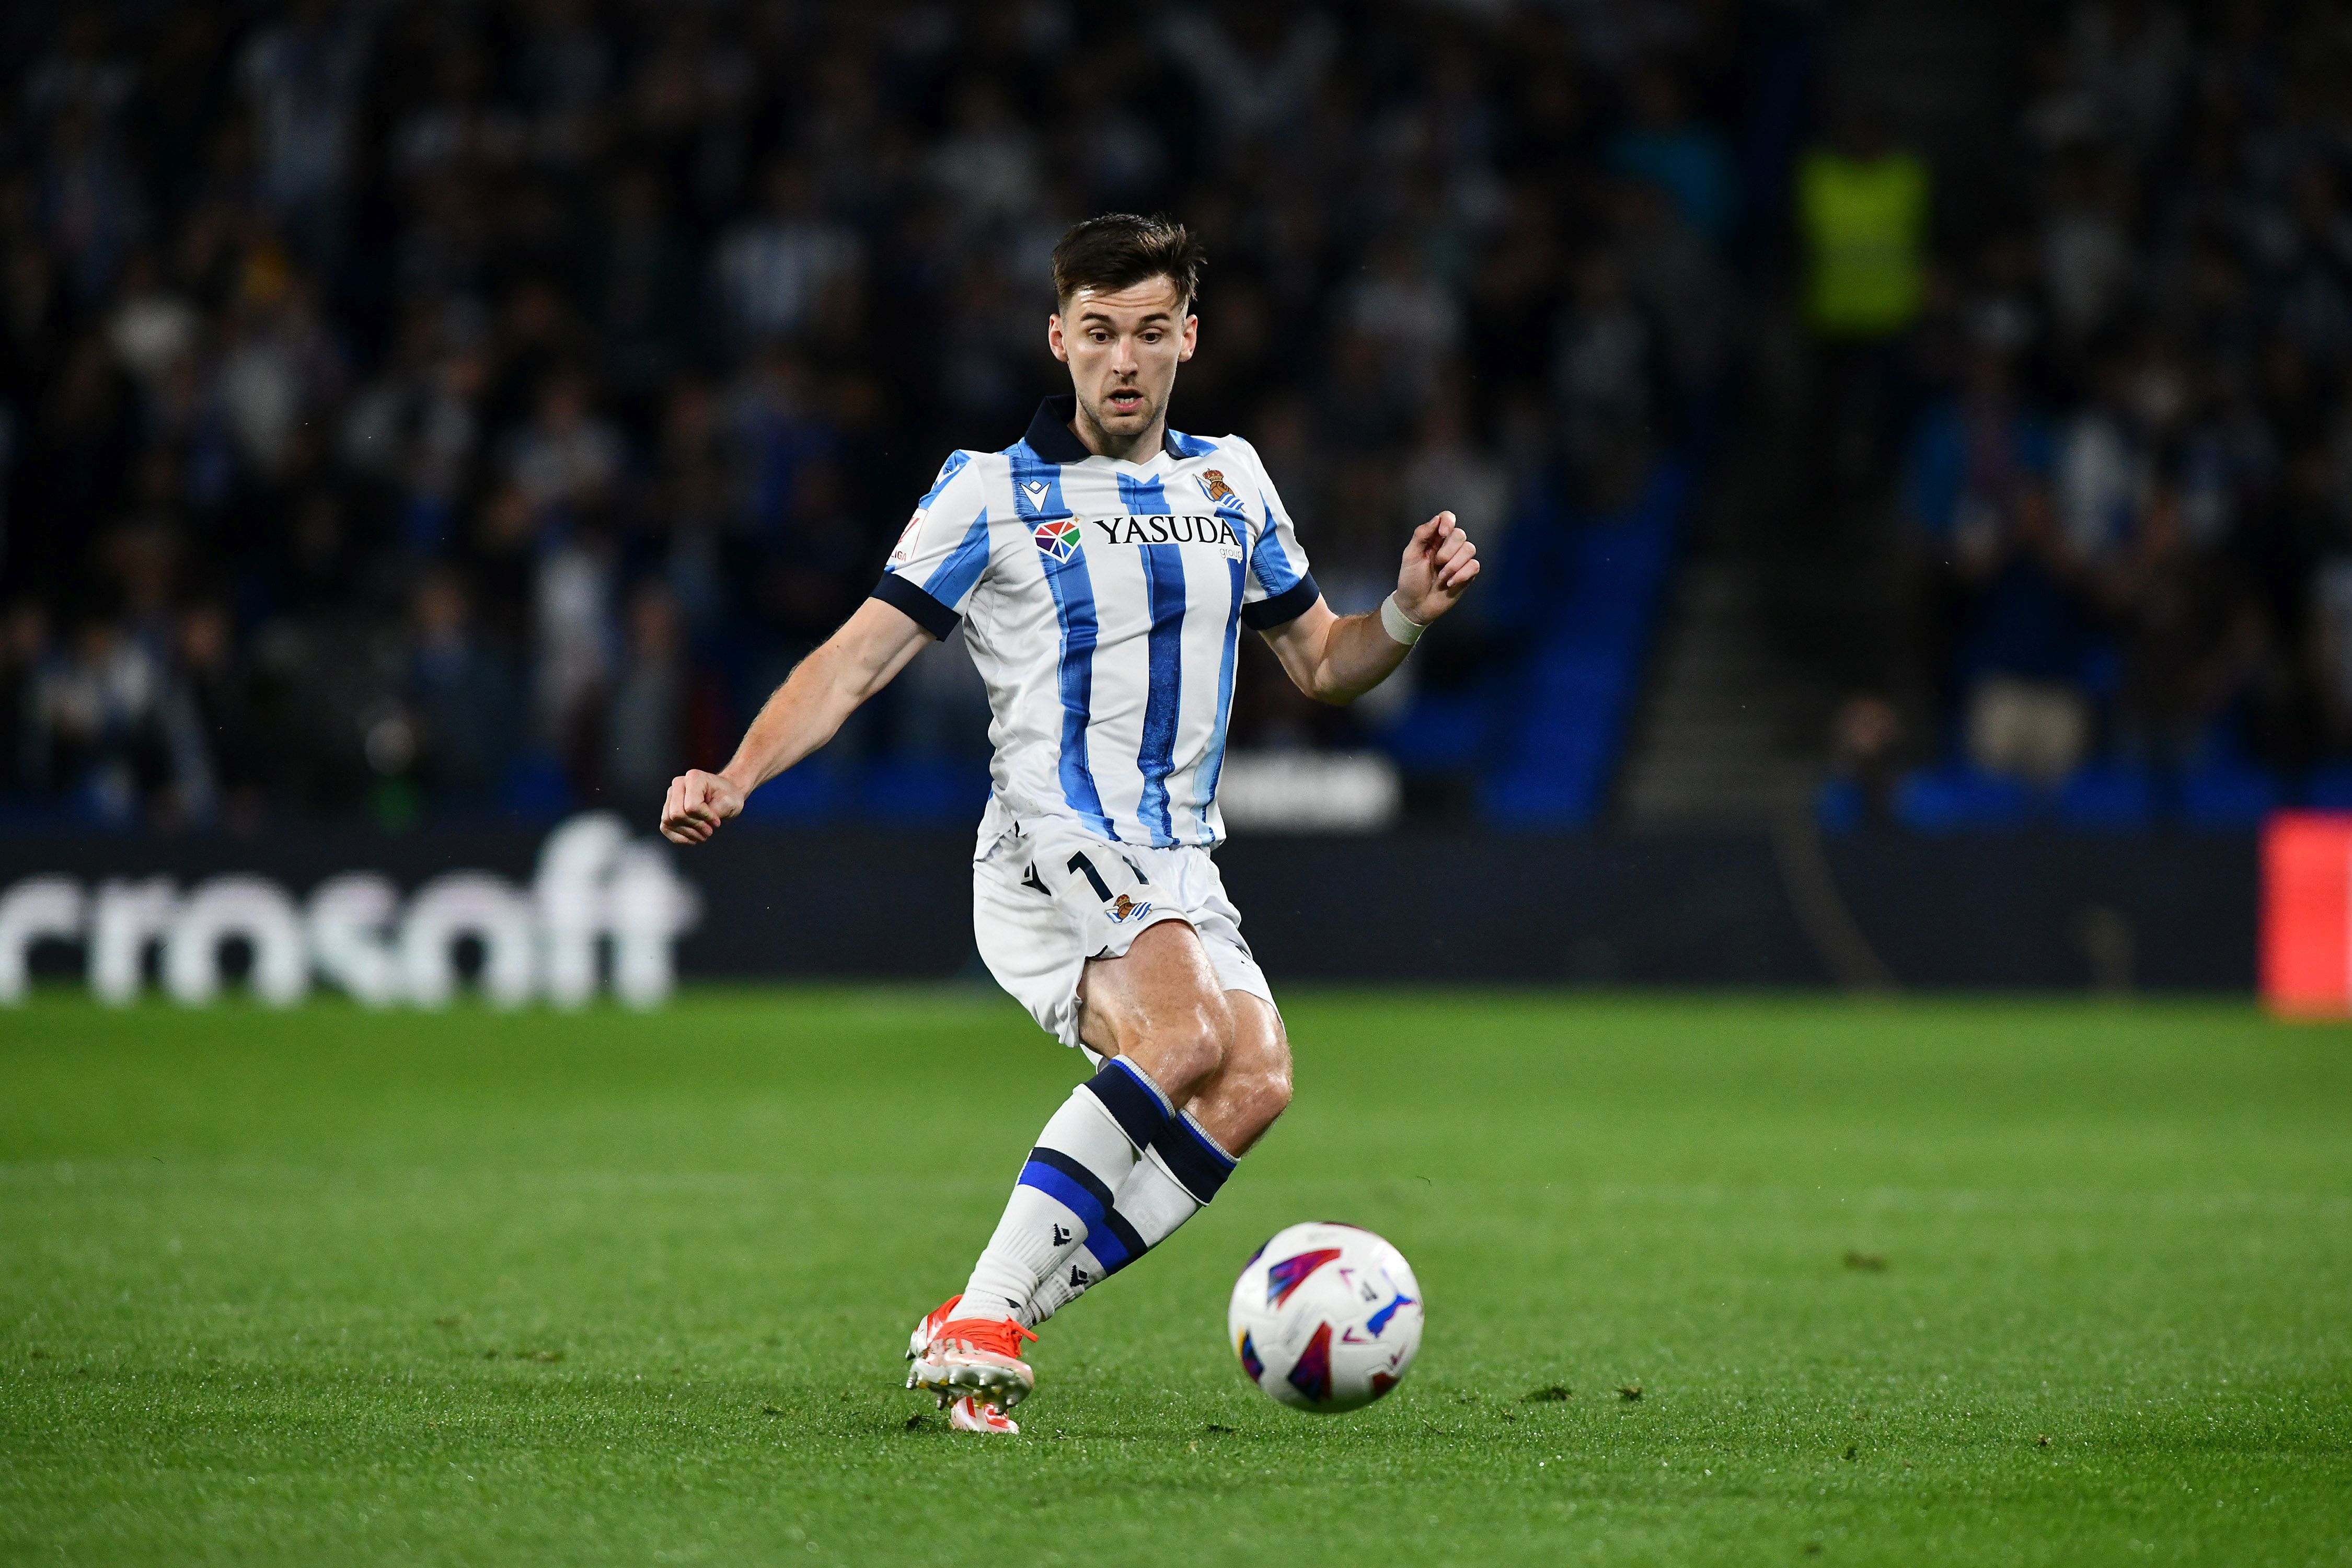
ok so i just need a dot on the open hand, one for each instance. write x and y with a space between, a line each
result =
698 802
1439 563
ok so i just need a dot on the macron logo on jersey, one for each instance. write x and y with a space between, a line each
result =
1037 490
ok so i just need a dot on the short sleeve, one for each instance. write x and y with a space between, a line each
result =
1279 588
939 559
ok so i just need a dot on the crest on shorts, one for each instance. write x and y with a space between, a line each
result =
1214 486
1059 539
1125 908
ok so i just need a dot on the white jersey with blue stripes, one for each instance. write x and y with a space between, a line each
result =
1103 602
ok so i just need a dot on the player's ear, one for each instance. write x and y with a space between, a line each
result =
1192 339
1054 337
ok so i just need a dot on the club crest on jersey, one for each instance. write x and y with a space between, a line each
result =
1214 486
1125 908
1059 539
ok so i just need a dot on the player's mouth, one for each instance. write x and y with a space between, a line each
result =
1126 400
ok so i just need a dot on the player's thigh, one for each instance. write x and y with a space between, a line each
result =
1030 944
1159 1005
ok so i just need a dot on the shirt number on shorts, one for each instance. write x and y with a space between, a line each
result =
1086 869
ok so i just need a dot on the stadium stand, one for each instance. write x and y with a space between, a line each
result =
2124 490
418 413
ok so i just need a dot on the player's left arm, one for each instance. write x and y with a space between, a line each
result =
1337 659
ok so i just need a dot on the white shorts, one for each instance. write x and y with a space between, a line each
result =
1046 896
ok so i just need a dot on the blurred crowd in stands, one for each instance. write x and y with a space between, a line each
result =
411 409
2127 472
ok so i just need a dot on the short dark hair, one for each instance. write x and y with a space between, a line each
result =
1120 249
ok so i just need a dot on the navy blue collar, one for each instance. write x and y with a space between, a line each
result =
1051 437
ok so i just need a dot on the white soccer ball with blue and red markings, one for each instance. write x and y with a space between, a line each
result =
1327 1317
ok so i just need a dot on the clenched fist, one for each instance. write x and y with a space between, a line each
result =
1438 563
698 802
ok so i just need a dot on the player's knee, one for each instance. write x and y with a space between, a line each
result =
1269 1079
1258 1067
1275 1088
1192 1048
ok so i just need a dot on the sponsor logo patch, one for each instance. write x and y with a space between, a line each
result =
1059 539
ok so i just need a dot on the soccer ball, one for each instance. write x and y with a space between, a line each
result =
1326 1317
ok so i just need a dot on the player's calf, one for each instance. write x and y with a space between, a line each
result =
1184 1170
1189 1162
1064 1194
1157 1009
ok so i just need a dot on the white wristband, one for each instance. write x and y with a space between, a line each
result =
1399 624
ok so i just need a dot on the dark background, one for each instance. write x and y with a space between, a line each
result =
1910 439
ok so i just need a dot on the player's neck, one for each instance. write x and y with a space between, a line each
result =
1135 449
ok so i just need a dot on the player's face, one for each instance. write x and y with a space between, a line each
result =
1123 347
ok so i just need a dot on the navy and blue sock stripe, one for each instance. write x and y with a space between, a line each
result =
1108 1235
1115 1243
1199 1166
1133 1101
1068 1182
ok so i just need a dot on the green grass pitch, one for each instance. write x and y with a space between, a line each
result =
1916 1282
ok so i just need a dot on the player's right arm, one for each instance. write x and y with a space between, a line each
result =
926 585
871 648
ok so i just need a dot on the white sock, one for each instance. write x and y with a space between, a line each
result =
1146 1211
1086 1153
